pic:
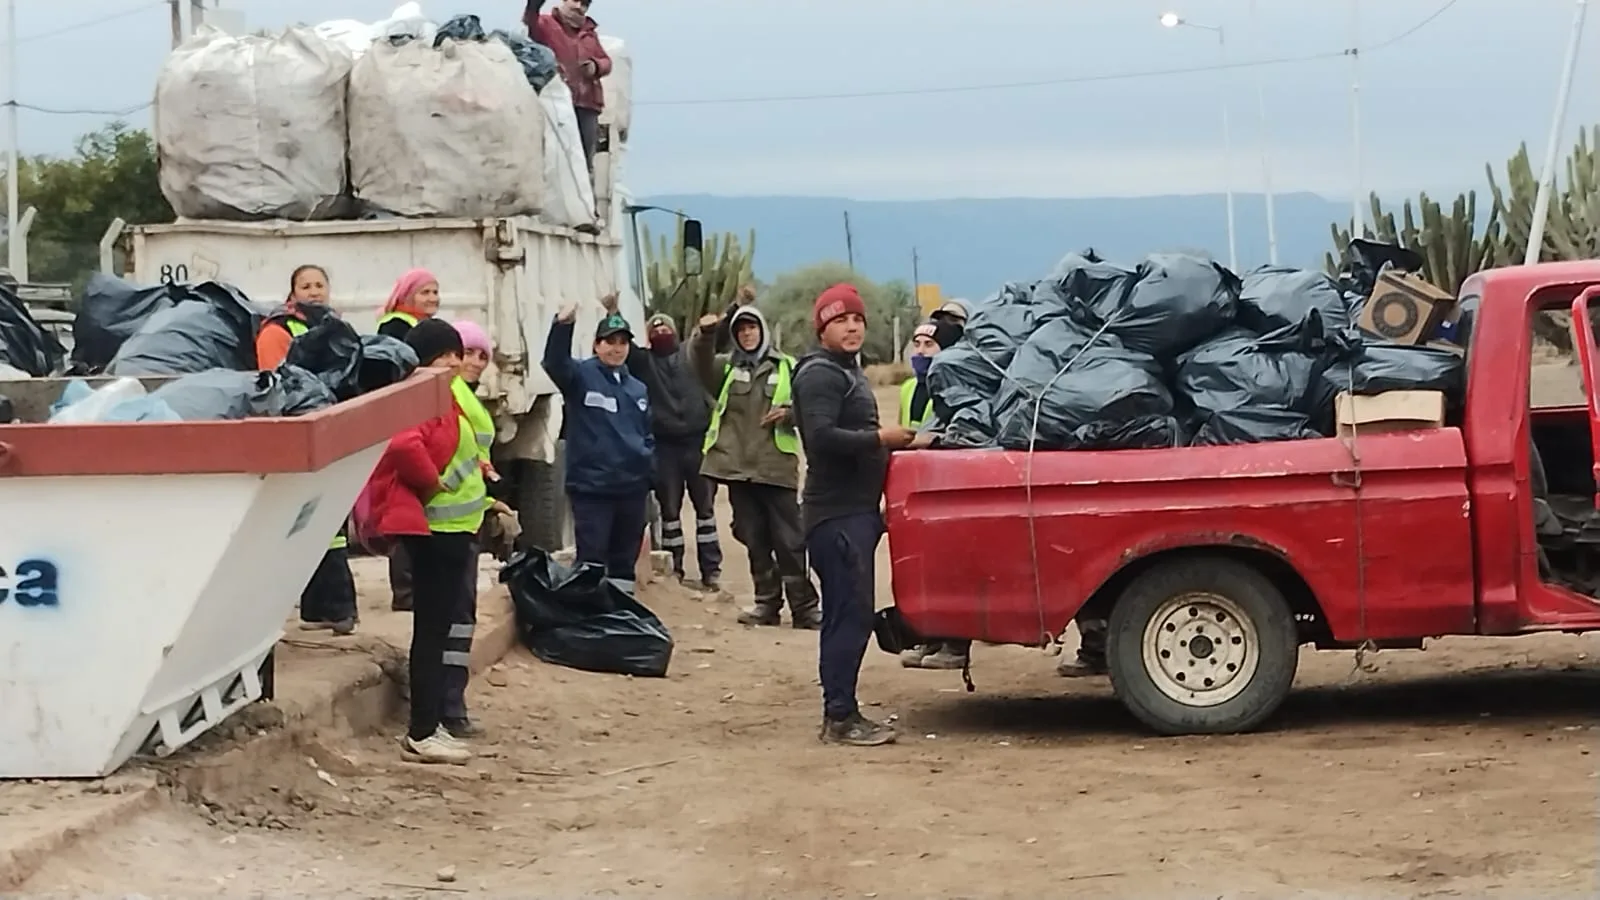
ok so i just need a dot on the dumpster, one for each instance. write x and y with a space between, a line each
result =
146 569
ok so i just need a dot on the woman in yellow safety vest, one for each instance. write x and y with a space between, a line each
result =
415 297
307 300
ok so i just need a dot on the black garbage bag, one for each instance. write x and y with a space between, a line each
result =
213 326
1301 305
111 310
301 391
331 350
384 361
538 61
24 343
1381 366
1359 275
222 394
1091 281
962 377
579 618
1000 324
460 28
971 427
1110 398
1174 303
1240 388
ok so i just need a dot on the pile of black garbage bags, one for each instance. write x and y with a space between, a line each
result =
204 332
1177 351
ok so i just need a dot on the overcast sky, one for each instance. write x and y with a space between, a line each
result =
1460 91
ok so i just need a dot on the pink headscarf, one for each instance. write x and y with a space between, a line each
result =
473 337
406 288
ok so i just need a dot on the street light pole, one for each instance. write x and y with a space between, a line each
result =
16 252
1547 174
1358 217
1173 20
1266 149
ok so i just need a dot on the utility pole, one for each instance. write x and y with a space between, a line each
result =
849 242
1547 172
16 250
197 15
1358 218
177 22
916 275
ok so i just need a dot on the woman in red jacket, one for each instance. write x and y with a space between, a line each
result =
427 493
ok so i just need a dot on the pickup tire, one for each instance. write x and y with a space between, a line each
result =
1202 645
541 505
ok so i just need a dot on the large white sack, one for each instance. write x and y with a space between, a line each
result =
568 193
253 127
452 132
407 21
618 87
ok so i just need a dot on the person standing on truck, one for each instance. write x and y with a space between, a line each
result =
752 448
415 297
574 38
428 492
680 413
610 448
847 456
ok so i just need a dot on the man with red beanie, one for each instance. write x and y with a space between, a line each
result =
847 455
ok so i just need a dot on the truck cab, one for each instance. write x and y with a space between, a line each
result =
1214 565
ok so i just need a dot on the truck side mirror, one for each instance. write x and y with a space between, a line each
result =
693 244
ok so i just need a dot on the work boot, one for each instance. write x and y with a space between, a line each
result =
763 613
806 619
1082 666
436 749
462 729
401 604
945 657
315 626
912 659
857 731
803 606
711 582
343 626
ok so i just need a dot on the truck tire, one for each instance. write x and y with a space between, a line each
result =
541 505
1202 645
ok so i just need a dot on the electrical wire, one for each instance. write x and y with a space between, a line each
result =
52 111
90 23
1051 82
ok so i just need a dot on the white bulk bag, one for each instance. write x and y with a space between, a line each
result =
407 21
568 192
253 127
452 132
618 87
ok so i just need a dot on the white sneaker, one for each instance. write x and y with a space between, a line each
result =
437 751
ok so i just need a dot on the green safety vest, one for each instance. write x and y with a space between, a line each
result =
784 436
459 508
478 416
405 317
908 417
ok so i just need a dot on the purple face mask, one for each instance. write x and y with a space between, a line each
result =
919 366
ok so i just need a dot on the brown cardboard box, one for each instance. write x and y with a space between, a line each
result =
1403 308
1388 412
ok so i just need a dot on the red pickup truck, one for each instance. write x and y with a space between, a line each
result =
1214 564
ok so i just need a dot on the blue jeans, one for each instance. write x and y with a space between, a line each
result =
609 530
843 553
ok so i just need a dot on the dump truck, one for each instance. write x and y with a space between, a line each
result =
1214 565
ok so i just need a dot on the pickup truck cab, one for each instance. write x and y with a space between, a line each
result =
1214 564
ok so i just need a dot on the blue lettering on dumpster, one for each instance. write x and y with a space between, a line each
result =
30 583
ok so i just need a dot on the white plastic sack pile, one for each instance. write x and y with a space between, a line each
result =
618 87
568 193
253 127
407 21
452 132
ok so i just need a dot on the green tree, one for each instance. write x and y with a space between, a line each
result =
111 174
788 301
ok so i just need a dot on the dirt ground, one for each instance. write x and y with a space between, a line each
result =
1464 770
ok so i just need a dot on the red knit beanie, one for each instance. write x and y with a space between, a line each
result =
835 302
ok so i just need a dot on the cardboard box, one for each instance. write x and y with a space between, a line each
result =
1388 412
1404 309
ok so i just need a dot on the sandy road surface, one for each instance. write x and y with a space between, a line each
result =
1463 771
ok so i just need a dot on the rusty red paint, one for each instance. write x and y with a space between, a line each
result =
254 446
1434 537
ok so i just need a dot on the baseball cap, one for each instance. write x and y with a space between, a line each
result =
953 308
610 325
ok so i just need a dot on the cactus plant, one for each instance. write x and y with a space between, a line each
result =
1572 230
726 264
1452 247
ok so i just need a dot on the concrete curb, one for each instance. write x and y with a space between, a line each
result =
361 699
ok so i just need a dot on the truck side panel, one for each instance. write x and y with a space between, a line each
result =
962 540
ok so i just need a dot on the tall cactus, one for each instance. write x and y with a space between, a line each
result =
1452 247
1572 230
726 265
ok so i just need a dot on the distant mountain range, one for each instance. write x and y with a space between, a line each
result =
970 247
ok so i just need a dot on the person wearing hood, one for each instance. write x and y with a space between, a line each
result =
847 457
574 38
415 297
752 447
610 448
680 413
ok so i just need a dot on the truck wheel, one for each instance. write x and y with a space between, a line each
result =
1202 646
541 505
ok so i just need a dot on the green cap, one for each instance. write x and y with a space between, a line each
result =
610 325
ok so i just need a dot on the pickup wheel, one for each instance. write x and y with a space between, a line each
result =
1202 646
541 505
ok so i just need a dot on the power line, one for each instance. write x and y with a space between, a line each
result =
1050 82
52 111
90 23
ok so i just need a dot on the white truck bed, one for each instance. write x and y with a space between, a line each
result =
509 275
